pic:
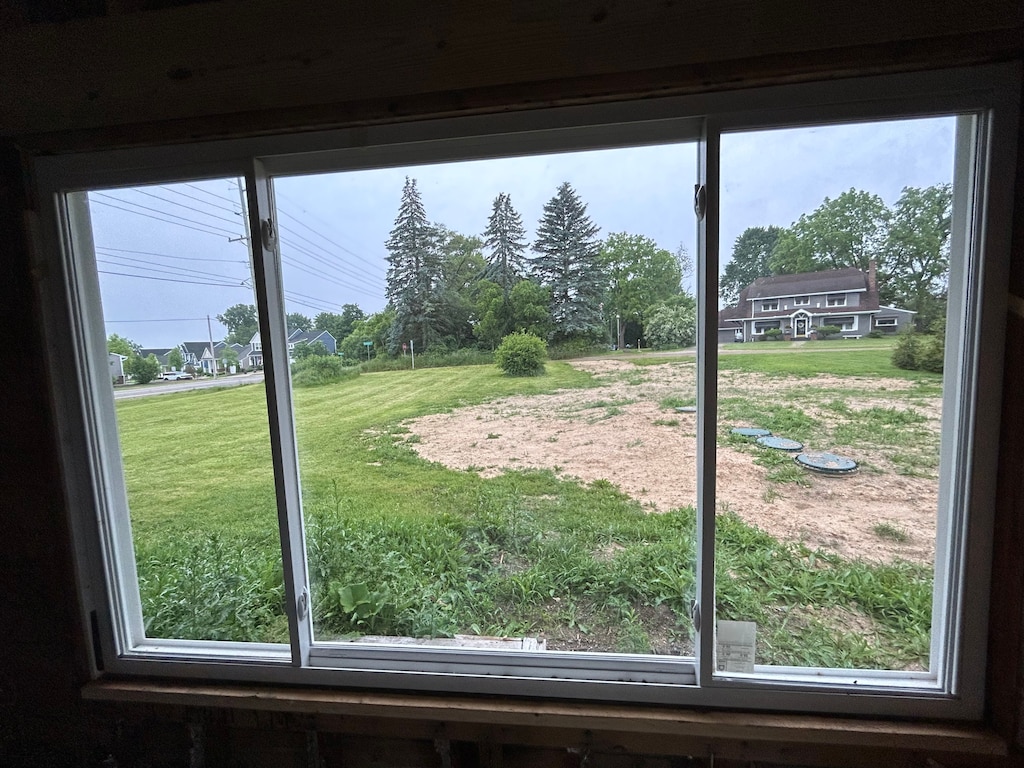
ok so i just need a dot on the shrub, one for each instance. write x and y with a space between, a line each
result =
521 354
575 348
315 371
824 331
930 353
904 354
773 334
875 335
142 369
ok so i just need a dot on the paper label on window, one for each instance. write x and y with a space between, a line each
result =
735 644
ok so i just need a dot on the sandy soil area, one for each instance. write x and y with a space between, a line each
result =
621 432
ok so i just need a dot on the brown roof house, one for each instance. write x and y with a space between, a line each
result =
798 304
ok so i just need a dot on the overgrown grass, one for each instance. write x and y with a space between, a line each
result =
399 545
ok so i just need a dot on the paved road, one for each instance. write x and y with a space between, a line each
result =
168 387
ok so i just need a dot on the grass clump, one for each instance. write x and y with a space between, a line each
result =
521 354
317 370
886 530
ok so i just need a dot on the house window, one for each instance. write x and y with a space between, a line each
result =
375 540
765 325
844 323
885 322
835 300
770 306
801 301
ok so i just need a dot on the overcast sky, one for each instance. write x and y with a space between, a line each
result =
176 239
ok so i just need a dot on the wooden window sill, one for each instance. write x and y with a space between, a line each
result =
638 729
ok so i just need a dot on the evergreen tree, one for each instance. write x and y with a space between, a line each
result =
505 236
413 267
567 263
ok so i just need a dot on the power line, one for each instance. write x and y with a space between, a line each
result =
208 192
165 221
169 256
167 279
361 277
199 200
185 206
180 271
163 213
317 245
160 320
319 234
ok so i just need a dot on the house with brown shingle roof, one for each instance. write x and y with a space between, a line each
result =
799 304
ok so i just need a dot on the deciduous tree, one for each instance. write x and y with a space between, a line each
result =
751 259
241 322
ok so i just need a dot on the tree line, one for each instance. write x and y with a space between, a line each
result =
908 242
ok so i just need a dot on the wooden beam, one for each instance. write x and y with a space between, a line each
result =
522 716
244 57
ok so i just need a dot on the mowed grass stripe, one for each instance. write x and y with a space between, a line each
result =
200 460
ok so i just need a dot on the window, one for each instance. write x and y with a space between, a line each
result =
801 301
835 300
761 326
770 306
843 323
885 322
341 532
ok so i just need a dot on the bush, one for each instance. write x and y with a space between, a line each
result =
315 371
142 369
521 354
875 335
904 354
575 348
824 331
773 334
930 354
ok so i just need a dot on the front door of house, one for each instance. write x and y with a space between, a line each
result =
800 325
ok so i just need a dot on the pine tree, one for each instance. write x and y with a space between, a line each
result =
506 237
413 265
567 263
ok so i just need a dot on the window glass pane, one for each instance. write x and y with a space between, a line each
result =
446 502
848 227
180 319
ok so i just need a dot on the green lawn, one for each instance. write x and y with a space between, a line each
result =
398 545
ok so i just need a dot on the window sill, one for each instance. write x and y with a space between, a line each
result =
635 729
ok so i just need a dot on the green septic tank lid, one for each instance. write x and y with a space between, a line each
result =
826 463
751 431
781 443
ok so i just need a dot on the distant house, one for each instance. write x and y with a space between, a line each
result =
798 304
251 355
197 354
160 353
299 337
116 363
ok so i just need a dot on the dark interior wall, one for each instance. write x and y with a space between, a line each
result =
227 68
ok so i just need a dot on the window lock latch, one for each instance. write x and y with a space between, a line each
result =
268 234
700 201
302 604
695 615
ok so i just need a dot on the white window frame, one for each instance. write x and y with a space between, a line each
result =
760 326
885 322
80 381
835 300
771 305
801 301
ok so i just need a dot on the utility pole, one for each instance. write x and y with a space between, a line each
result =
412 349
245 232
209 330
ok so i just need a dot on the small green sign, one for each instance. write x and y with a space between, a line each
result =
367 343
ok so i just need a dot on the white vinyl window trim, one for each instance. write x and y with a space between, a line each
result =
103 554
769 306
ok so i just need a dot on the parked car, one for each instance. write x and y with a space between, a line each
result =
175 375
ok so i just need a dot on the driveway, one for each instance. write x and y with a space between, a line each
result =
169 387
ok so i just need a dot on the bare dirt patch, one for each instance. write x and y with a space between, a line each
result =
621 432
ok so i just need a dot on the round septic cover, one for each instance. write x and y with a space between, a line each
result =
782 443
687 409
751 431
828 463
